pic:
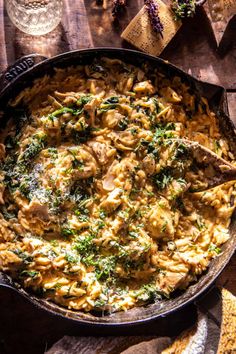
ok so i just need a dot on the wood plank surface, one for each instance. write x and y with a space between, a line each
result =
72 33
24 329
231 97
85 24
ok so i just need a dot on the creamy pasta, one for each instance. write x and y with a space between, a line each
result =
99 205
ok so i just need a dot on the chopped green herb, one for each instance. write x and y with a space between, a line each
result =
64 110
67 231
214 248
134 191
163 228
105 267
54 243
53 152
133 234
181 151
26 258
7 215
85 245
200 224
216 145
163 131
181 181
29 273
149 193
83 100
101 225
111 100
34 148
81 217
81 136
123 123
147 292
155 101
133 131
99 303
109 103
71 258
162 179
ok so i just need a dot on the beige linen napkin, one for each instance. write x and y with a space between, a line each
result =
205 337
141 35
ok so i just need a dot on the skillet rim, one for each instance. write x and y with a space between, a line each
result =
74 315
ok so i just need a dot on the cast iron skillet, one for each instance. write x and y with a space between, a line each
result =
21 75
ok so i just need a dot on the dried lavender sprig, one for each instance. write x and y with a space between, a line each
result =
184 8
118 5
153 13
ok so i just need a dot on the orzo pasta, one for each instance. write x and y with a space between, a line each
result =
97 205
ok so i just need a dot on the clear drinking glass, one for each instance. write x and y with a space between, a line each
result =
35 17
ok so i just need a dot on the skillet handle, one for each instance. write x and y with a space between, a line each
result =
5 282
19 67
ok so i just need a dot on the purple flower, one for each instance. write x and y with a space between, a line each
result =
153 10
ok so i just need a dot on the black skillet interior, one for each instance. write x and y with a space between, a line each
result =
217 100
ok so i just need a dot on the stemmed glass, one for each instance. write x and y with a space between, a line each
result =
36 17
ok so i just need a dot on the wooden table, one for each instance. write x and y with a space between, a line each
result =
24 329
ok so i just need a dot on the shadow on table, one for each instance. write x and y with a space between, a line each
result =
19 43
27 329
194 50
228 40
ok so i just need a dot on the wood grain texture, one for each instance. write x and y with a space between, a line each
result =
231 97
72 33
194 50
23 328
85 24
